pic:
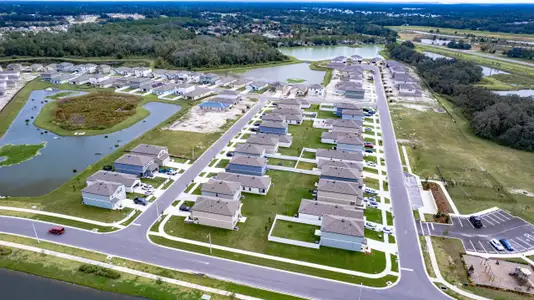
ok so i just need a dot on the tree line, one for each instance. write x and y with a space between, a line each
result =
165 39
520 53
459 45
507 120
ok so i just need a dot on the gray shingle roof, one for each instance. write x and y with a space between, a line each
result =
344 226
352 112
261 182
147 149
316 86
345 123
350 140
122 178
322 163
338 154
334 135
134 160
271 124
285 111
273 117
347 105
319 208
221 187
294 102
102 188
341 187
250 149
263 139
253 161
341 172
216 206
282 138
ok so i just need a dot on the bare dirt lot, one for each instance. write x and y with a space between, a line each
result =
209 121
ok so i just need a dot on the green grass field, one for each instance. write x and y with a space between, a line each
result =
295 231
282 162
485 173
304 136
15 154
463 32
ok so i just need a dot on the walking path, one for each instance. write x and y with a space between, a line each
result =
127 270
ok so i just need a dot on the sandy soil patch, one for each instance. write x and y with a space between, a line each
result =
418 107
209 121
11 91
522 192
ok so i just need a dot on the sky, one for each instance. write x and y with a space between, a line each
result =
345 1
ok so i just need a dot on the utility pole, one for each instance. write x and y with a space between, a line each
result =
35 231
209 238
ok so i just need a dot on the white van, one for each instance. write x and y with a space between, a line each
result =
497 245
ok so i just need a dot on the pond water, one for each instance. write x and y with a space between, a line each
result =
18 285
62 155
329 52
486 71
521 93
283 73
434 42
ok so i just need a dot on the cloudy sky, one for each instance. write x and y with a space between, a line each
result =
345 1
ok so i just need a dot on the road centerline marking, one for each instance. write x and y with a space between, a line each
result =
406 269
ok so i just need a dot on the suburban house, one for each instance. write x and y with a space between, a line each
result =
226 99
350 89
169 88
14 67
323 163
331 137
138 83
194 77
222 189
50 68
346 125
241 82
341 174
106 83
294 119
299 89
402 78
216 212
48 76
340 59
209 79
351 143
36 67
184 88
356 58
97 78
273 127
121 83
352 114
343 233
338 155
342 192
227 81
104 69
249 184
104 194
142 72
124 71
273 117
129 181
214 106
84 79
316 90
316 210
139 165
377 61
290 104
64 67
288 111
257 86
229 94
159 153
249 150
63 78
269 143
197 93
249 165
284 140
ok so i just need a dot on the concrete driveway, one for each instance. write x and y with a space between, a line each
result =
497 224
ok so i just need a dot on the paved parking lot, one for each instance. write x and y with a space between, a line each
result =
496 224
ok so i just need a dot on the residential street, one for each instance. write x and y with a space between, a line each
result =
132 242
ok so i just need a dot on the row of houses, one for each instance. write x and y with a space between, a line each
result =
354 60
107 189
222 102
8 79
402 80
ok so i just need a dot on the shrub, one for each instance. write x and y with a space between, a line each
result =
5 251
99 271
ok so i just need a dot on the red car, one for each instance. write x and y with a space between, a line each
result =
57 230
369 145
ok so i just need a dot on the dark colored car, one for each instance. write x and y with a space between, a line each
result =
506 244
139 200
475 220
230 154
58 230
369 150
185 208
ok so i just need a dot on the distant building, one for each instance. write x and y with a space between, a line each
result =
316 90
257 86
197 93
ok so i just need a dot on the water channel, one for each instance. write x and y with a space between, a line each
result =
486 71
283 73
62 155
521 93
329 52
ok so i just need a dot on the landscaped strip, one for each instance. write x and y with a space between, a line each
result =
16 154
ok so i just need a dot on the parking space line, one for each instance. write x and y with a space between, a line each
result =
432 225
516 245
422 229
460 221
492 218
523 241
469 222
496 216
474 248
428 228
486 219
503 215
482 246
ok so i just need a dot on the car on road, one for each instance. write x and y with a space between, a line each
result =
496 244
58 230
140 201
506 244
476 221
185 208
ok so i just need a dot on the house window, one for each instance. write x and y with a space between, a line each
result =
249 189
263 190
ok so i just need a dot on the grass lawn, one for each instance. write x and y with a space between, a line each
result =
155 182
222 163
295 80
60 95
484 170
448 253
373 215
304 136
326 115
310 155
198 190
282 162
321 66
371 183
260 212
370 170
389 217
168 184
306 166
134 195
295 231
454 31
15 154
94 113
370 158
374 235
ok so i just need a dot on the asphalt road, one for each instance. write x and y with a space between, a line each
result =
496 225
131 243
